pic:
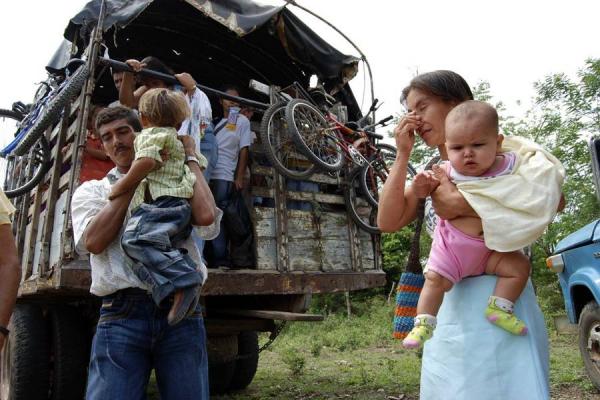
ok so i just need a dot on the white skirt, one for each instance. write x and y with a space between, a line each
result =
469 358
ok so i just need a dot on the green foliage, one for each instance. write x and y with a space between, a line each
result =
294 360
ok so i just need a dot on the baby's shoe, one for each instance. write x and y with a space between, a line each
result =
499 312
182 300
423 330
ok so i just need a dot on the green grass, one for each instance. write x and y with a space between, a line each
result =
356 358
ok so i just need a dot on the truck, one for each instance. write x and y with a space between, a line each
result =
576 261
297 253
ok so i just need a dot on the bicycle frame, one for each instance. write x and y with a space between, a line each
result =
351 147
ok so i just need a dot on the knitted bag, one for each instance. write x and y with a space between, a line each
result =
412 280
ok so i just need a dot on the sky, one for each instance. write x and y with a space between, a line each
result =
510 44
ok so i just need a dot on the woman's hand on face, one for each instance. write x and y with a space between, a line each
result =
404 133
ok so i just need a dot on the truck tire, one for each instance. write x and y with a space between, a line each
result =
222 352
247 360
589 341
25 359
70 354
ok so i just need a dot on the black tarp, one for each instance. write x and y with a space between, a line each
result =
219 41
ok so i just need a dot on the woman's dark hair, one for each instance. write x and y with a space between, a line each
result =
110 114
157 65
445 85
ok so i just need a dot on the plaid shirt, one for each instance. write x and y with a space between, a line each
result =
173 178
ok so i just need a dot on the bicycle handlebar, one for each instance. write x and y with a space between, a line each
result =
170 79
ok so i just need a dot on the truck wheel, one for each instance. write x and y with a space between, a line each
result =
70 354
25 358
247 361
222 351
589 340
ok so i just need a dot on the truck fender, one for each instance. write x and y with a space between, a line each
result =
584 286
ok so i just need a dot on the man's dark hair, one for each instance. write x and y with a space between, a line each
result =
110 114
446 85
230 86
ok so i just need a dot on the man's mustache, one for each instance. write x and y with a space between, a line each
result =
121 148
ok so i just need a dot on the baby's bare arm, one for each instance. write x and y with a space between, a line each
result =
140 168
424 184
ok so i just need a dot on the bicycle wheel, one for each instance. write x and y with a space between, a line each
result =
375 173
308 128
49 110
363 213
279 147
9 126
23 173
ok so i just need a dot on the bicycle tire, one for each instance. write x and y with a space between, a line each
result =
53 110
362 213
372 183
276 142
37 164
305 125
4 113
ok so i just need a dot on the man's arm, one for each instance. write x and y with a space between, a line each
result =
10 276
241 168
202 201
105 226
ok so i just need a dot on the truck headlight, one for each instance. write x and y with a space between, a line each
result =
556 263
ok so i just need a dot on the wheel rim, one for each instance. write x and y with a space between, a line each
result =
376 173
312 129
5 373
8 127
365 214
593 345
22 171
283 149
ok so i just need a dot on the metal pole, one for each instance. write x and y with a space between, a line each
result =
362 55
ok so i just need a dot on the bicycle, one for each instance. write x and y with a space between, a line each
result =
328 143
26 159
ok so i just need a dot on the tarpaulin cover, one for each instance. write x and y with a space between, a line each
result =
267 43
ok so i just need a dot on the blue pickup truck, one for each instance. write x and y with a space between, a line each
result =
576 260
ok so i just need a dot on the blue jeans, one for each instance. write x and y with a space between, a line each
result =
133 337
209 149
221 190
150 240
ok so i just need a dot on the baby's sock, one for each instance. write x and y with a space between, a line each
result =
500 313
423 330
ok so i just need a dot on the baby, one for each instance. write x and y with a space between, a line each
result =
461 246
161 212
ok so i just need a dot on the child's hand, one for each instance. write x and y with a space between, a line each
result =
424 183
440 174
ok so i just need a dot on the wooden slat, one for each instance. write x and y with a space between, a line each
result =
270 314
300 196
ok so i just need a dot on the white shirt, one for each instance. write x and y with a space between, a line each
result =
111 269
200 117
229 143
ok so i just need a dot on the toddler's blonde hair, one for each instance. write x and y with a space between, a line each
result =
164 107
